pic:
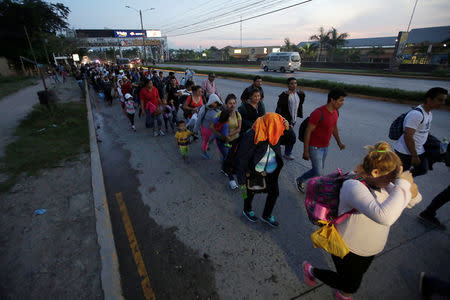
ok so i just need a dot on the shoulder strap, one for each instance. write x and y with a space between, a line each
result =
423 116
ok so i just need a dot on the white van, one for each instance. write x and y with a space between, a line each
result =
282 61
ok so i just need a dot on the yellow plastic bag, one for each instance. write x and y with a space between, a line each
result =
328 238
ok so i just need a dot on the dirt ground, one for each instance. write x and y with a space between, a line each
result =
54 255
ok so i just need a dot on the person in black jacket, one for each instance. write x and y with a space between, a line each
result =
259 153
251 110
290 106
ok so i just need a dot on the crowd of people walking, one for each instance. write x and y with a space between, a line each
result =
250 141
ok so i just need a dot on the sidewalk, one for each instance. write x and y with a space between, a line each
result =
54 255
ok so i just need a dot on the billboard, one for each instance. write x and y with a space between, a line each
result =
153 33
134 43
129 33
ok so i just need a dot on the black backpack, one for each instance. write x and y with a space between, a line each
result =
396 128
304 125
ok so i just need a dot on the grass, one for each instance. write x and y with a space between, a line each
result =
14 83
397 95
45 138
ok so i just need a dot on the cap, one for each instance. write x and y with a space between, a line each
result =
128 96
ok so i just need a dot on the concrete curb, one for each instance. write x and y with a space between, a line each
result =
110 275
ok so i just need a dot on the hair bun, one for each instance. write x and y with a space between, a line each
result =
378 147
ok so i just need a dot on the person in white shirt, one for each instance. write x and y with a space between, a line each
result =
416 127
381 197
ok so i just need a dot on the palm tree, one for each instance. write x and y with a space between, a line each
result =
335 40
322 38
289 47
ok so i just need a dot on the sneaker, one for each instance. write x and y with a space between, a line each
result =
223 172
233 185
205 155
155 133
300 185
307 274
271 221
250 215
161 133
133 127
339 296
289 157
425 216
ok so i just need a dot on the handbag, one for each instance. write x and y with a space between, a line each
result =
256 181
329 239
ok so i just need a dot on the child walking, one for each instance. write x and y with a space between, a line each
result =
130 109
182 138
168 112
220 129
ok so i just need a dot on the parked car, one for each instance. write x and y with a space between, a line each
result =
282 61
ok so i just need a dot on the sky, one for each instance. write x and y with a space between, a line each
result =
360 19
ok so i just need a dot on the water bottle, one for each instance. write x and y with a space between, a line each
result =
444 145
244 192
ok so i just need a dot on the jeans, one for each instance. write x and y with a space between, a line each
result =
416 170
131 118
150 120
317 156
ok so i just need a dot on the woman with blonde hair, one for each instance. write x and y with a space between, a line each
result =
379 198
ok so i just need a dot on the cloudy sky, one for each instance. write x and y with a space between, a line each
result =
177 19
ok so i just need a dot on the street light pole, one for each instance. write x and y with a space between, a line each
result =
142 29
143 37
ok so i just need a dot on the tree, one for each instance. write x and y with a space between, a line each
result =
308 51
335 40
42 20
289 47
322 38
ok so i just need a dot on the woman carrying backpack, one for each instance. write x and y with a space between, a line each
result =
258 162
379 197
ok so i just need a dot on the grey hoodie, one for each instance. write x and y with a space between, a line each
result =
207 114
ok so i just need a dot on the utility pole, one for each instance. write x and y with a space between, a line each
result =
142 29
241 32
410 20
143 38
34 57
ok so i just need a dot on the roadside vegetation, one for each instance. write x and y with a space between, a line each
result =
14 83
396 95
44 138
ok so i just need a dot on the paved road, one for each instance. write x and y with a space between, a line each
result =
388 82
194 207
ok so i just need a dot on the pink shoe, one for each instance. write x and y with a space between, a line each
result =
307 275
339 296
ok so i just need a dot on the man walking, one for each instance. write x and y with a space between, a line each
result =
322 124
257 84
416 126
209 86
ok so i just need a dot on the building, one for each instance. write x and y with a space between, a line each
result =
423 46
156 44
252 53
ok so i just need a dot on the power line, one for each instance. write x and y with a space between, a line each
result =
215 17
250 12
191 13
231 23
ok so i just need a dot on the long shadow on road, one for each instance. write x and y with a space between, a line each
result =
175 271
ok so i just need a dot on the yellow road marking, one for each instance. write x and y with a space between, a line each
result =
138 260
